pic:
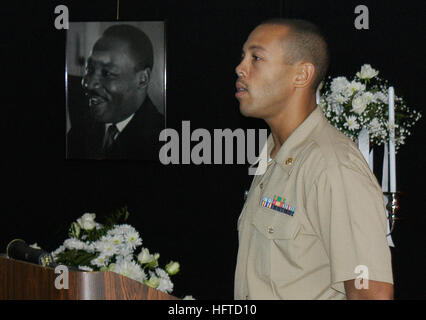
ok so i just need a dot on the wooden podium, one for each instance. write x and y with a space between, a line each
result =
23 280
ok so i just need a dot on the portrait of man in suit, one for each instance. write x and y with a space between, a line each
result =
111 114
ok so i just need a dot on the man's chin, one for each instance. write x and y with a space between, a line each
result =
247 111
98 112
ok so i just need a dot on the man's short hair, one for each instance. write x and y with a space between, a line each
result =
305 42
139 44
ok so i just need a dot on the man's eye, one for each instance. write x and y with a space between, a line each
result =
108 74
256 58
89 69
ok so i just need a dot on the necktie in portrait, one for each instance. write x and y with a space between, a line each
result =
110 135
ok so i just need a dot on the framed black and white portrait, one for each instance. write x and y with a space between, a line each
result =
115 89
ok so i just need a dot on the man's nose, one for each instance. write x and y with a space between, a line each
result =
90 82
240 71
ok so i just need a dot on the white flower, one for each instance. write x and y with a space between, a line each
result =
153 281
359 105
381 97
73 243
90 247
391 126
188 298
367 72
133 239
121 258
125 250
166 285
117 239
87 221
356 86
351 123
340 98
100 261
339 85
85 268
144 256
122 229
106 246
337 108
368 97
374 126
130 269
58 251
172 267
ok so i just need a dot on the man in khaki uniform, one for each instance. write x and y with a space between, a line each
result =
314 224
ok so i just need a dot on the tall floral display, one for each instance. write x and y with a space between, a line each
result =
366 109
362 102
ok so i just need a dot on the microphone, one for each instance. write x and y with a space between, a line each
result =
18 249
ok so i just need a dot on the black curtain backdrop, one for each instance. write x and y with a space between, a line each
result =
189 212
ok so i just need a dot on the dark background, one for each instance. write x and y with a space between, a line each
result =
188 212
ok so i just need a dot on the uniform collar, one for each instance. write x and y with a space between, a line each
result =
289 151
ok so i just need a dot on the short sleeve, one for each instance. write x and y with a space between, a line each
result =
346 209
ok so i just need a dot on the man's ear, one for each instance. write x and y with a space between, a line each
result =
304 74
143 77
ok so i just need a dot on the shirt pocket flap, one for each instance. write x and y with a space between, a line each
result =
275 225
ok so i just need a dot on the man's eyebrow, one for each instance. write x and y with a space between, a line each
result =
256 47
108 65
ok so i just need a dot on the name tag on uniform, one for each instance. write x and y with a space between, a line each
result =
278 204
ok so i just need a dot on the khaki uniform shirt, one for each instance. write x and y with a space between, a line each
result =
328 218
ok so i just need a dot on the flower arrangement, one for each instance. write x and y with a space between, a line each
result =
351 105
112 246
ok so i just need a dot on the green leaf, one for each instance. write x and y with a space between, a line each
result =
75 257
117 217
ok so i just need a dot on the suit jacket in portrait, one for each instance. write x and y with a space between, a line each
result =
139 140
